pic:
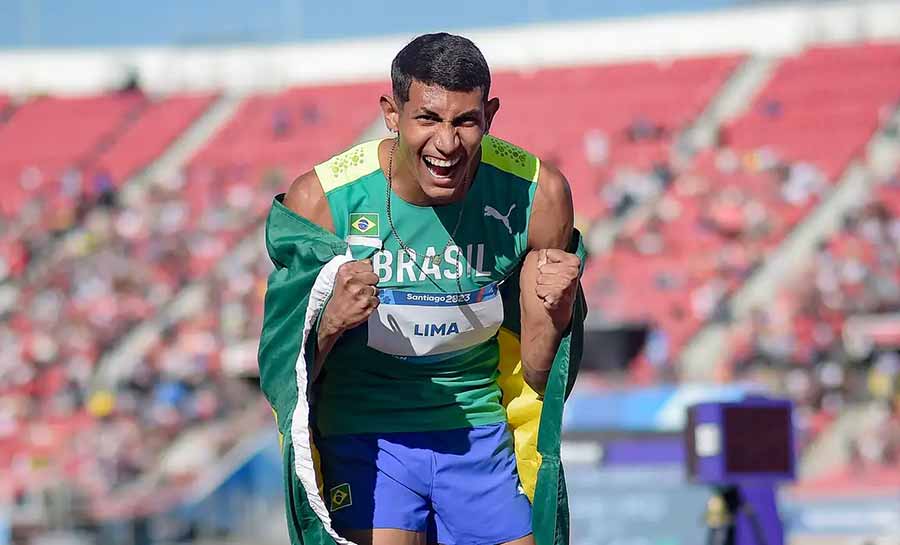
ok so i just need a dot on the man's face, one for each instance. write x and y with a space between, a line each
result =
440 135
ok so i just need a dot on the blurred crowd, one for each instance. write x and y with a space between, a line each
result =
49 208
876 445
705 225
116 382
800 346
124 263
706 222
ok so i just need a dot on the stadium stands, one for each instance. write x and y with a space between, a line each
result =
271 138
57 164
150 134
132 255
872 461
822 106
708 232
293 129
192 379
612 125
796 346
46 136
676 266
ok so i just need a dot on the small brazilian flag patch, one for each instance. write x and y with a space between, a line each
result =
340 497
365 224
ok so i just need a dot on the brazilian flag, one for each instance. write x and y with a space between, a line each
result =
306 259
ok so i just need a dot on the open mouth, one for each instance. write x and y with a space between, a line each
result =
441 168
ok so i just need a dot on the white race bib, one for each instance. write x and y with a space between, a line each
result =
427 325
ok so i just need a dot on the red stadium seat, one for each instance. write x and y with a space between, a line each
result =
549 111
158 125
820 107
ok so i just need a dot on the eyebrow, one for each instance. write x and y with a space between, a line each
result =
465 115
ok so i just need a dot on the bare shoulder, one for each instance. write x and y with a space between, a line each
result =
307 198
552 215
554 187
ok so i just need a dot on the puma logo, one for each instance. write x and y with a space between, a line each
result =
490 211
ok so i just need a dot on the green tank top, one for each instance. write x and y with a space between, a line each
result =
427 357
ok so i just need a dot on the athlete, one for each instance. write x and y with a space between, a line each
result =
408 418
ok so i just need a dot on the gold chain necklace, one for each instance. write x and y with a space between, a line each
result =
436 259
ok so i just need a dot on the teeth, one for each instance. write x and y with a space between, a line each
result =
433 173
441 163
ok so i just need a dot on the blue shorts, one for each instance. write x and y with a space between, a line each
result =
460 484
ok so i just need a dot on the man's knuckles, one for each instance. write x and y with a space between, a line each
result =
548 291
564 276
368 278
356 267
552 256
348 279
563 271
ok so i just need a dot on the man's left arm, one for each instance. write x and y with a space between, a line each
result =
549 277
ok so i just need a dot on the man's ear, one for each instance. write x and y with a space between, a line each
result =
490 110
391 113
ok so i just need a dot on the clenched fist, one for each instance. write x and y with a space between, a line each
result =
557 279
354 298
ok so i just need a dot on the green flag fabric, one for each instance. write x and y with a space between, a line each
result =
306 259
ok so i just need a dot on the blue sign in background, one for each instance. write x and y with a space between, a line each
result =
5 537
646 505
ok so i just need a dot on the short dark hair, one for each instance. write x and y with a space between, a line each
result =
441 59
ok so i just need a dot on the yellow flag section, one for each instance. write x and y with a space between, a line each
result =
523 410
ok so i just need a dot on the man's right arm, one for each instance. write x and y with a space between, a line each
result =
353 298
